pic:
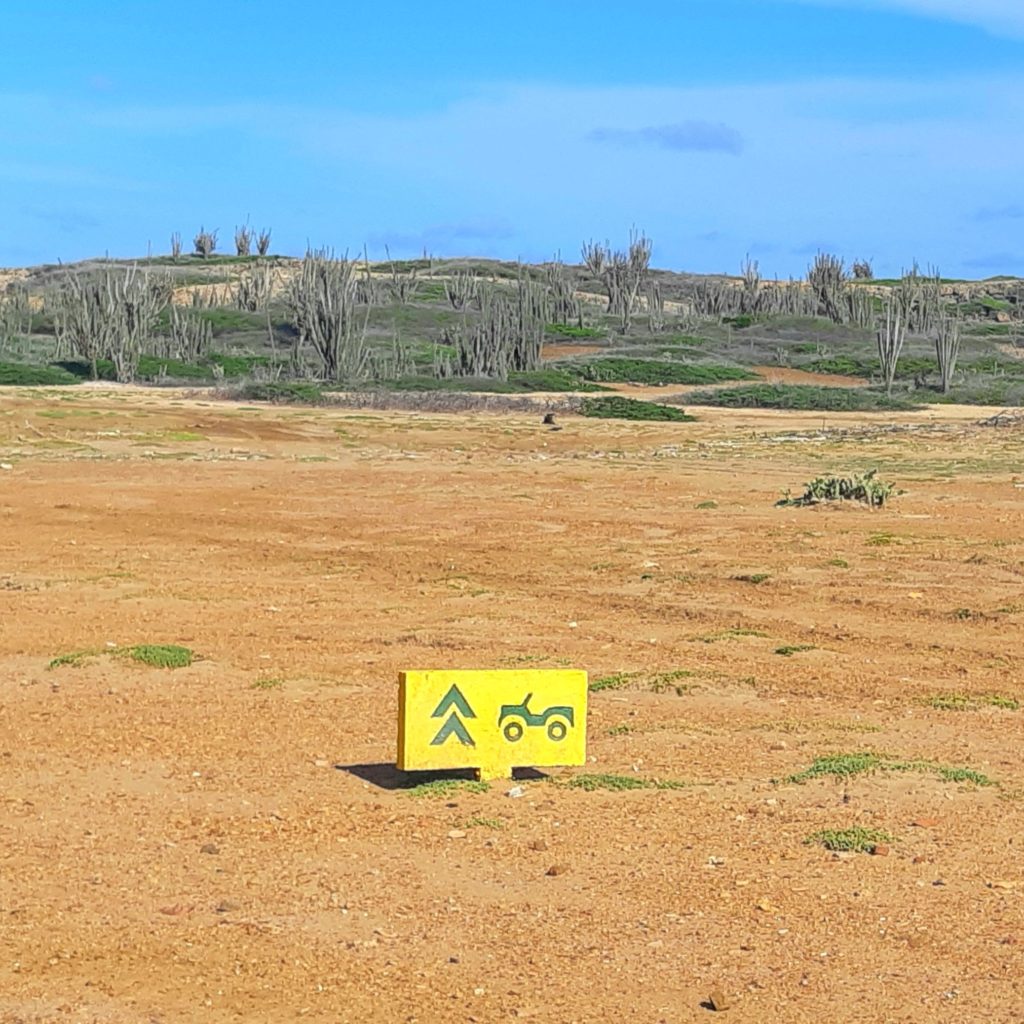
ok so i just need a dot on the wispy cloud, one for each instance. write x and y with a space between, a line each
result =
446 239
1000 17
686 136
510 170
988 214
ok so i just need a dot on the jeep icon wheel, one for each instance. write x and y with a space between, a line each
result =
513 731
556 731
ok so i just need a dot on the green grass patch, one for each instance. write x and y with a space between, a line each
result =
74 659
616 681
839 766
657 372
855 366
616 407
619 783
838 563
620 730
971 702
757 578
556 379
704 505
882 540
161 655
446 787
182 435
849 840
948 774
788 650
729 634
268 683
740 321
799 397
844 766
493 823
656 682
573 331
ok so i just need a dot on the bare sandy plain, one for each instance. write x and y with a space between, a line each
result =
229 842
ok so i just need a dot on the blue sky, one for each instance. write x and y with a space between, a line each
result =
885 129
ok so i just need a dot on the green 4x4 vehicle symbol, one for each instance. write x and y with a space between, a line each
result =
514 718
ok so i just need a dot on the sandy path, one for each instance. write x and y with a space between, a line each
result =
309 555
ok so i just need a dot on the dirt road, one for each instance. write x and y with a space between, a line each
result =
228 841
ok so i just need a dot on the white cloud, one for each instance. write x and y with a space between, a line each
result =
1000 17
886 168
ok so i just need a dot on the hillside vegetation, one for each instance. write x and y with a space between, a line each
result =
479 325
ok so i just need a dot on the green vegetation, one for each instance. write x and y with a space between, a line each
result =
493 823
882 540
789 650
558 379
620 783
161 655
656 682
156 655
75 659
843 766
856 366
265 683
285 392
850 840
757 578
408 335
446 787
617 681
739 322
616 407
798 397
728 634
572 331
862 487
654 372
22 375
157 368
971 702
948 774
225 320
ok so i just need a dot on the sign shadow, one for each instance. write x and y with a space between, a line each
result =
387 776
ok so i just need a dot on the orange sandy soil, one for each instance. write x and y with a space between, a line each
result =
319 552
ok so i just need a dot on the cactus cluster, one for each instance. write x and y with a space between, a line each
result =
862 487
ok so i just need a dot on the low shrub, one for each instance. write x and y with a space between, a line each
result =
798 397
616 407
24 375
660 372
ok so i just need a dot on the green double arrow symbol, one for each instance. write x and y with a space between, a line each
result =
454 726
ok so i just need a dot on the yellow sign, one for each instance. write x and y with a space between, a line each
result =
492 721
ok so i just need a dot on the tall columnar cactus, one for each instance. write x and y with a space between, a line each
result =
947 349
623 273
828 281
110 316
890 333
324 311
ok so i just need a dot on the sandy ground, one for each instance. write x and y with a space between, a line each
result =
229 841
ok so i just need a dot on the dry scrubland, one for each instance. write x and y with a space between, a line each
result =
226 841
